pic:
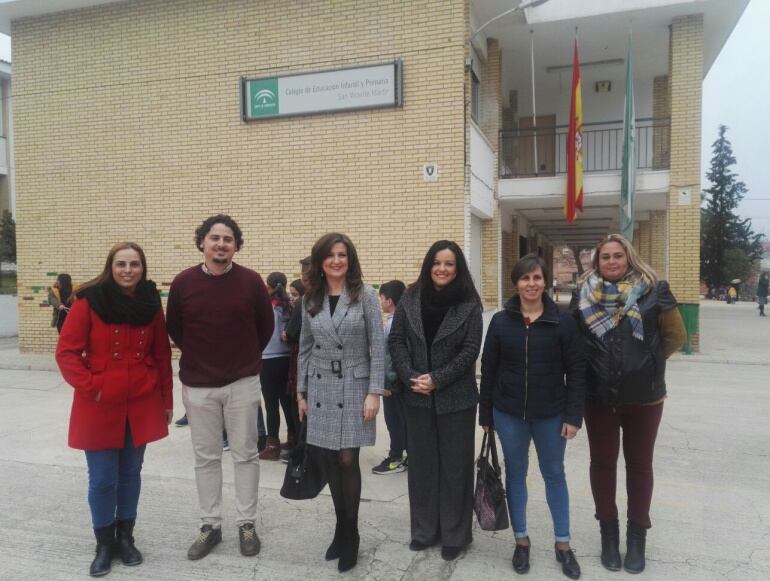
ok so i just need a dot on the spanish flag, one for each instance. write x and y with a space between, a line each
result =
573 202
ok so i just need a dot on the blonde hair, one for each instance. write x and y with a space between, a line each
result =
635 261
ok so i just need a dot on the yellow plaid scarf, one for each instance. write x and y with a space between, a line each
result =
603 304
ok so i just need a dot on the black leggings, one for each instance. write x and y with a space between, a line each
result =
274 375
344 475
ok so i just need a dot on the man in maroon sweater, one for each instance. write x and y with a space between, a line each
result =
220 316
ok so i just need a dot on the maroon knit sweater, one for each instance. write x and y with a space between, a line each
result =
221 324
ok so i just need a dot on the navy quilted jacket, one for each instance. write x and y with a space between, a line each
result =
535 371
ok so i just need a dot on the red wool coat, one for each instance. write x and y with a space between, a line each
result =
129 365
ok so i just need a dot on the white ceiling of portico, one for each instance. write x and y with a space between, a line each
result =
602 34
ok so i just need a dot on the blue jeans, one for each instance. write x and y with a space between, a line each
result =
515 435
114 482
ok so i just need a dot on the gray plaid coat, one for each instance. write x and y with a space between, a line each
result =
354 338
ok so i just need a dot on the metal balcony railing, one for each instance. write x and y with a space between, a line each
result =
602 148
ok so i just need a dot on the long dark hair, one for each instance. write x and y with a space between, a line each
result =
463 281
277 280
64 284
106 276
297 285
316 284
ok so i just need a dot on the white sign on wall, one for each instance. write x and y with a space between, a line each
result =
430 172
366 87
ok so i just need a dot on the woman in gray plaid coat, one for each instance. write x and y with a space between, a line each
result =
340 378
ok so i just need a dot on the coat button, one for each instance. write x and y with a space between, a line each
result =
318 375
318 404
115 354
339 346
317 346
116 331
339 405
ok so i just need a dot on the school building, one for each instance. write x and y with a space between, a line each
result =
396 122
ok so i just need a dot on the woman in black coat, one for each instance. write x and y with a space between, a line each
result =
434 343
631 325
532 388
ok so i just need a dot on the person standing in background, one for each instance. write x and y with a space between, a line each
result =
390 293
60 298
275 371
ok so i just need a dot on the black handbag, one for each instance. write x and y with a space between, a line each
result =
306 471
489 498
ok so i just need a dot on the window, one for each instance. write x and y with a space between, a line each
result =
475 97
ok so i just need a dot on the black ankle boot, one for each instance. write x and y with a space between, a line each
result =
636 539
610 530
349 546
105 548
333 552
124 543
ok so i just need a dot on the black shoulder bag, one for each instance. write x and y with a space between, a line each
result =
489 498
306 472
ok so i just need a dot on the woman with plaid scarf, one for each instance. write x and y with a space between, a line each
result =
631 324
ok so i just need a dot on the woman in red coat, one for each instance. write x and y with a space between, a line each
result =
114 350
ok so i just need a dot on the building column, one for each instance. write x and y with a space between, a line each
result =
490 122
658 241
685 83
644 242
661 136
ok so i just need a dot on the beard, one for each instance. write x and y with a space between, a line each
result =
220 260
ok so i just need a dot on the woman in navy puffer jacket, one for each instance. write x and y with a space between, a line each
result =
532 388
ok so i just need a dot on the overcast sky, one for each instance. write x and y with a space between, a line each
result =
736 93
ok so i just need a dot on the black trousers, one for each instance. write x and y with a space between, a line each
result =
441 460
273 377
394 420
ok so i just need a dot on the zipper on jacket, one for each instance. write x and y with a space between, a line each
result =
526 371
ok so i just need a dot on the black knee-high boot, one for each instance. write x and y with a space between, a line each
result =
349 545
333 552
105 549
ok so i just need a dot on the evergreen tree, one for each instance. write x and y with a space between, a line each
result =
7 238
721 228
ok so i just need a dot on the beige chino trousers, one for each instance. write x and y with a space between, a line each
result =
210 410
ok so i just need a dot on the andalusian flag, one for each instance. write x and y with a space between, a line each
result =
628 175
574 198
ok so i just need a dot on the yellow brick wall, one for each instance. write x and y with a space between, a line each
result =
490 122
642 241
127 126
686 77
661 108
510 244
658 240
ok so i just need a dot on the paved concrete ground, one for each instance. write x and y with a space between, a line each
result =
711 511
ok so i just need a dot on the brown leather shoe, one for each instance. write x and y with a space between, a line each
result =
272 449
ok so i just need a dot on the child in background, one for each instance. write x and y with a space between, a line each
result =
390 294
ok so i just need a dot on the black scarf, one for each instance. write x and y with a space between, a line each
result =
435 304
114 307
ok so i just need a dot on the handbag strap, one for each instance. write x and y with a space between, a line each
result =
493 447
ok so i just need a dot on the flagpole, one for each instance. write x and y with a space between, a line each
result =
534 107
628 173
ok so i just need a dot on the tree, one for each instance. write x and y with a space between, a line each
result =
736 265
721 228
7 238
